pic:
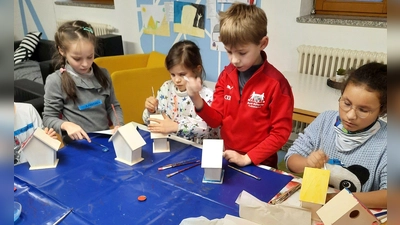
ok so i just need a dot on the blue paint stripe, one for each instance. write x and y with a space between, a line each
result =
21 9
36 18
23 129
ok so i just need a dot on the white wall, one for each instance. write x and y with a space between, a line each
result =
123 18
284 32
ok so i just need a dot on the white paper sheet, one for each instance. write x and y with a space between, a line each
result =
227 220
108 132
259 212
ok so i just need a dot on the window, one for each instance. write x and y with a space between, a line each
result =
374 8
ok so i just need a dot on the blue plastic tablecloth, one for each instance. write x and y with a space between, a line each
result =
102 190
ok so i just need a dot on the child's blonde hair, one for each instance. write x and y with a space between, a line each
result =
242 24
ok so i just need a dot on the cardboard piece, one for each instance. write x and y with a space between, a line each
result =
128 144
344 209
40 150
160 141
211 160
314 188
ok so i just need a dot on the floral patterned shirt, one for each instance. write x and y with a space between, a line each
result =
179 107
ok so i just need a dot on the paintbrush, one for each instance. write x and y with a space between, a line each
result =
154 96
62 217
180 171
172 165
115 114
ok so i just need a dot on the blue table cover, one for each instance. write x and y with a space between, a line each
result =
101 190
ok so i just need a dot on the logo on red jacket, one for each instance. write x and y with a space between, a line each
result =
256 100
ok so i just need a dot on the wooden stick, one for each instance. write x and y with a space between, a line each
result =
244 172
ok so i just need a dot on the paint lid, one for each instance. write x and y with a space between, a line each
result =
142 198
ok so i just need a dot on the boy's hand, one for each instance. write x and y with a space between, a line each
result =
165 126
193 85
51 132
237 158
75 132
151 104
317 159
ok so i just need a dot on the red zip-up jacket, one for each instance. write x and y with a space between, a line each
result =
260 121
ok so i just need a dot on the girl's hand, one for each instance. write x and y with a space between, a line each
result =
193 85
151 104
164 126
317 159
75 132
115 129
51 132
237 158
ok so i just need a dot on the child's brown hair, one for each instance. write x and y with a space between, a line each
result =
69 32
373 76
185 53
242 24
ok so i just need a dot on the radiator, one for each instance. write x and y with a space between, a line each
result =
324 61
99 28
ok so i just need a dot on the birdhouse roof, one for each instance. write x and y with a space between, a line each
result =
212 153
43 137
130 135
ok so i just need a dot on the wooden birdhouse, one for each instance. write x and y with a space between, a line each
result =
211 160
314 188
128 144
40 150
345 209
160 141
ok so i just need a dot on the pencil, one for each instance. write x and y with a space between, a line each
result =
115 114
185 162
244 172
61 218
180 171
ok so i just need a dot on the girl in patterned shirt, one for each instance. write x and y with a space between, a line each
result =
352 141
183 60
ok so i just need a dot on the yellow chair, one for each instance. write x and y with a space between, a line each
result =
132 87
133 77
131 61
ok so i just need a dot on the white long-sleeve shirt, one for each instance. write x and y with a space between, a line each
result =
26 120
179 107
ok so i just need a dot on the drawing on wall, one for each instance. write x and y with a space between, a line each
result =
189 18
216 45
214 58
250 2
154 20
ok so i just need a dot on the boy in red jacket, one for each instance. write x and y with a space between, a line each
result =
253 101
